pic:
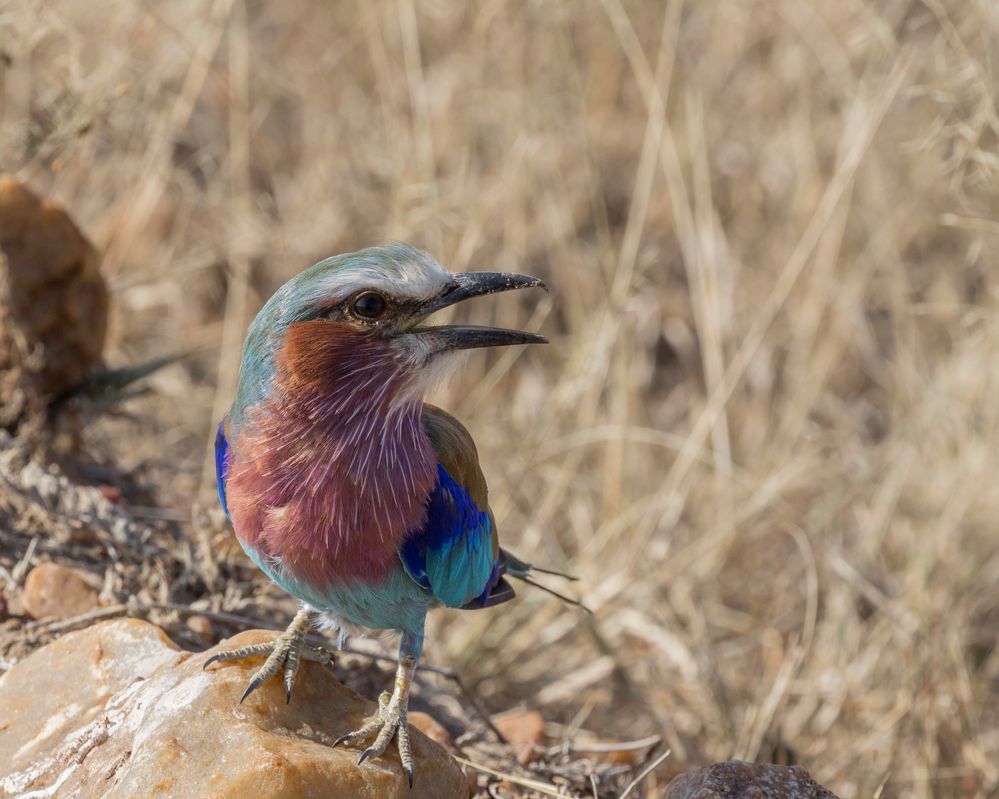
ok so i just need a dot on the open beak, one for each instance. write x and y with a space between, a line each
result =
465 337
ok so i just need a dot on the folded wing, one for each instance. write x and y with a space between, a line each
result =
456 555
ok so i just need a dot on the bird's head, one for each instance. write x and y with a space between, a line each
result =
372 305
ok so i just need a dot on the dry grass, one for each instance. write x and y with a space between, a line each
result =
765 431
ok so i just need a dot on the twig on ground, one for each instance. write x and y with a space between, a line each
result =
645 772
598 747
21 567
542 787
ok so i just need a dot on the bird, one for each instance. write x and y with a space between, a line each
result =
343 486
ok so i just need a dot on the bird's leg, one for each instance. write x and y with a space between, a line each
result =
288 649
391 721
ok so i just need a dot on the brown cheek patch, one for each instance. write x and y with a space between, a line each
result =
314 352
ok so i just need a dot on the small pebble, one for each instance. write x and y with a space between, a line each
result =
202 628
525 730
53 591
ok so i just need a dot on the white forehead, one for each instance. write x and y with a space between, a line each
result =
397 271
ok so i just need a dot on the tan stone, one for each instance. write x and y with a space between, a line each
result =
525 730
53 590
118 711
433 729
736 779
64 687
202 628
438 733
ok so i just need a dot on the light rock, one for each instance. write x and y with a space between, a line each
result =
438 733
433 729
53 302
735 779
118 711
525 730
51 590
202 628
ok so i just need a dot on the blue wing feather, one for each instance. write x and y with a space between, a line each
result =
222 465
452 556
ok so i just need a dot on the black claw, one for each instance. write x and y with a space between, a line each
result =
253 686
287 696
207 663
409 775
364 756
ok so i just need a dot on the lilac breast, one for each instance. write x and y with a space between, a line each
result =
333 469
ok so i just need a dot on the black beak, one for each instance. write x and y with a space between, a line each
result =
465 285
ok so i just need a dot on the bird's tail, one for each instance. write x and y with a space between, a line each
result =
512 565
104 388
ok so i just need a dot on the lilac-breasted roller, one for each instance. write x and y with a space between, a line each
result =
343 486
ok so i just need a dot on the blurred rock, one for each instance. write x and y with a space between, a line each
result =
202 628
53 303
54 590
438 733
433 729
525 730
735 779
111 493
118 711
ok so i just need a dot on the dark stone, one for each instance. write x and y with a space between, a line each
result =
53 303
735 779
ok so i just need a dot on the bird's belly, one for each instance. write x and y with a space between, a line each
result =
396 602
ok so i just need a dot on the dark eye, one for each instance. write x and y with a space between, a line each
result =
369 305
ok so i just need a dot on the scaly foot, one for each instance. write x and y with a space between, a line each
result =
288 649
390 722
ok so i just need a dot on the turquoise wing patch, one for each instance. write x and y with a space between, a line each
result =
452 556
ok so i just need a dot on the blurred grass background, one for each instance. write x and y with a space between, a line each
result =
765 431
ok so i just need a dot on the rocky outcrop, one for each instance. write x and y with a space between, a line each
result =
117 710
735 779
